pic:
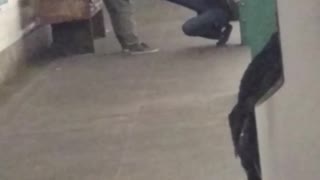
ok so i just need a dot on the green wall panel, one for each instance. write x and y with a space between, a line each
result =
258 21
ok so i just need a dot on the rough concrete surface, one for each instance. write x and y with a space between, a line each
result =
110 116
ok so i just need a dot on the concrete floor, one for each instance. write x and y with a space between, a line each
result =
109 116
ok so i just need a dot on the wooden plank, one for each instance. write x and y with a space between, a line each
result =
53 11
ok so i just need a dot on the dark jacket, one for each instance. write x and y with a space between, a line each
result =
228 5
203 5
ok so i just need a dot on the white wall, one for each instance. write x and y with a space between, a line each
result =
11 28
289 123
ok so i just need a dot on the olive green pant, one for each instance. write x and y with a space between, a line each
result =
121 14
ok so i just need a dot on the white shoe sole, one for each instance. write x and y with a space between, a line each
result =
140 52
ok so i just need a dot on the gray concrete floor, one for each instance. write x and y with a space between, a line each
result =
109 116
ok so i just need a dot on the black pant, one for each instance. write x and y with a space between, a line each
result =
209 21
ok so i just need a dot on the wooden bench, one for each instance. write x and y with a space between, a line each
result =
75 23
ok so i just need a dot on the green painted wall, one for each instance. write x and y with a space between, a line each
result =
258 21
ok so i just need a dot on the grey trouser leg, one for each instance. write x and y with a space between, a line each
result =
121 14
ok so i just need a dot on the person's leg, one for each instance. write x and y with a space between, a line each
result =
193 27
207 24
225 35
121 14
212 24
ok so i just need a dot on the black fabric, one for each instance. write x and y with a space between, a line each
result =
261 75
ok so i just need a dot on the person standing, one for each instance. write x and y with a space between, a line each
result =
121 15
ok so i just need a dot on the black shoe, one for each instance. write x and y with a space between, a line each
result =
140 48
225 35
